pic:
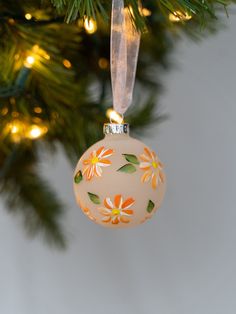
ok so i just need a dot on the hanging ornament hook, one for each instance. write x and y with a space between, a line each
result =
125 40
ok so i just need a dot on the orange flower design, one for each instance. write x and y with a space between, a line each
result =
86 211
95 162
117 211
152 167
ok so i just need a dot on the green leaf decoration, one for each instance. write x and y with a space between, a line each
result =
78 177
150 206
128 168
131 158
94 198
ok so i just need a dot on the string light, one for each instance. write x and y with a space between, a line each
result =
15 129
11 21
37 109
29 61
35 54
90 25
146 12
36 131
179 16
21 129
15 126
4 111
103 63
113 115
28 16
66 63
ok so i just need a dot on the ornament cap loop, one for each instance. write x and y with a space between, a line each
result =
116 128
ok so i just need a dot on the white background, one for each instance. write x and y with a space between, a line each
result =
181 262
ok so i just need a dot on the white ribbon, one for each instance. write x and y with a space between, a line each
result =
124 55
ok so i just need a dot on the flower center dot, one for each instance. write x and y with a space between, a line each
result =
95 160
115 211
155 164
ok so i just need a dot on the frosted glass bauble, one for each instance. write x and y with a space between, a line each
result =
119 181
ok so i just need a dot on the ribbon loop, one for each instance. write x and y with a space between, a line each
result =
125 41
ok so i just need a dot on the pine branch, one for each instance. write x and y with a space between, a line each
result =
29 195
89 8
202 11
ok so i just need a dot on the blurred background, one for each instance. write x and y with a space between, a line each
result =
53 259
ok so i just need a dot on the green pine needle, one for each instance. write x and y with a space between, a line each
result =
202 11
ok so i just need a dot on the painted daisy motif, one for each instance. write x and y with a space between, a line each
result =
152 168
95 162
118 211
86 211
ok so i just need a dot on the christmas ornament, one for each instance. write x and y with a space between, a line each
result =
119 181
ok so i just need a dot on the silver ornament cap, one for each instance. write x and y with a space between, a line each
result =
116 128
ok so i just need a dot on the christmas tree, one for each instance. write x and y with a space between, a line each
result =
55 86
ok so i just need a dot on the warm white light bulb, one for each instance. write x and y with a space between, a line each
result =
29 61
28 16
14 129
36 131
146 12
90 25
67 63
16 126
114 116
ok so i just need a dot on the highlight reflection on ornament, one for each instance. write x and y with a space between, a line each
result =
119 180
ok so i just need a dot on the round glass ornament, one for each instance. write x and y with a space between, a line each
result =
119 182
